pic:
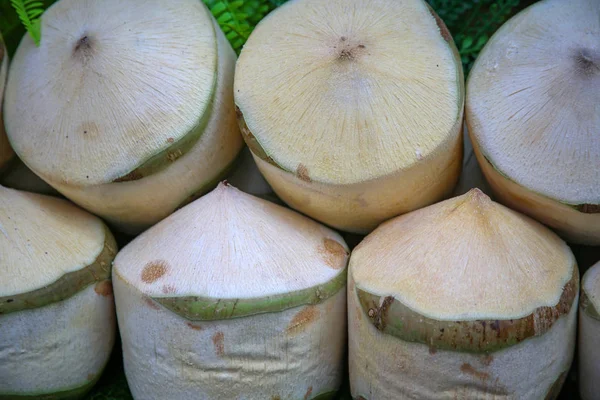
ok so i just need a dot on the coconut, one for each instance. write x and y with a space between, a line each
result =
132 115
6 152
57 319
533 111
353 109
464 299
233 297
589 334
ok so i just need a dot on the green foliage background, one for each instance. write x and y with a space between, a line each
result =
471 22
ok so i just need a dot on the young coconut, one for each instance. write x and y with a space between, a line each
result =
132 115
353 109
464 299
236 298
589 335
6 152
57 318
533 111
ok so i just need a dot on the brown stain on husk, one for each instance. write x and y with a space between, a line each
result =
154 270
303 319
308 393
302 173
468 369
218 340
334 253
150 303
194 326
104 288
588 208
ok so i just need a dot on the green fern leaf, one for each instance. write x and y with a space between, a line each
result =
29 12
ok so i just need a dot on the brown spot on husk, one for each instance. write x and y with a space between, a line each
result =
153 271
251 140
193 326
150 303
302 319
487 360
378 314
432 350
441 25
334 253
174 155
88 129
302 173
170 140
589 208
308 393
468 369
166 289
218 340
104 288
556 386
83 46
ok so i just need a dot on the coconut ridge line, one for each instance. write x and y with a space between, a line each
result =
68 285
390 316
199 308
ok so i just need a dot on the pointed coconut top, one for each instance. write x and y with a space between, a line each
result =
466 258
590 284
49 249
353 89
534 100
116 88
231 254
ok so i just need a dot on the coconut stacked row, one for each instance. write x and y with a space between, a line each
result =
353 113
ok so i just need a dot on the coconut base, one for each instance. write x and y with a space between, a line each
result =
385 367
573 225
360 208
58 351
294 354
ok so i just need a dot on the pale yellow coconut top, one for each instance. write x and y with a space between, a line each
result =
113 83
466 258
229 244
590 284
345 91
533 100
43 238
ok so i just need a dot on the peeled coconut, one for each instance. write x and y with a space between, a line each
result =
353 109
589 334
6 152
57 318
533 111
233 297
132 114
465 299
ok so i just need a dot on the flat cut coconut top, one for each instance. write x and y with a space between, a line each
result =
229 245
43 238
466 258
114 83
343 91
590 284
534 100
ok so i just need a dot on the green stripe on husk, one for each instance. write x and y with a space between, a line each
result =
68 285
196 308
392 317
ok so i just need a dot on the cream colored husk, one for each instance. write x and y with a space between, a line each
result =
133 206
385 367
60 347
6 152
533 114
230 246
589 337
331 127
492 305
